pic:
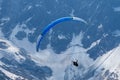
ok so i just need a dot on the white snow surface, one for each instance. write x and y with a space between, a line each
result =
76 40
28 46
109 59
94 44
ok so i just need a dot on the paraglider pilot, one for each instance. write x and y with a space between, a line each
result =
75 63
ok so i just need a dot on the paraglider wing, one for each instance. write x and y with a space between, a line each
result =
52 24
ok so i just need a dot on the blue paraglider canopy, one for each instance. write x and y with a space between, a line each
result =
52 24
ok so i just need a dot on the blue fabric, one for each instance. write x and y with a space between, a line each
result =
52 24
49 26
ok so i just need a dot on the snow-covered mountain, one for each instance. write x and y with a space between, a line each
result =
106 67
16 65
96 45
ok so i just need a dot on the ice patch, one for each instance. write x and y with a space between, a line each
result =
117 9
4 20
94 44
29 7
61 37
28 19
76 40
72 13
100 26
49 12
116 33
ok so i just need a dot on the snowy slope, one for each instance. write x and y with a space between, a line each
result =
109 62
106 67
12 50
15 64
100 69
11 75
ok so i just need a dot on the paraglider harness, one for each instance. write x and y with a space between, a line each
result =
75 63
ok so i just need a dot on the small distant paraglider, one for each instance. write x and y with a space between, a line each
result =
52 24
75 63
